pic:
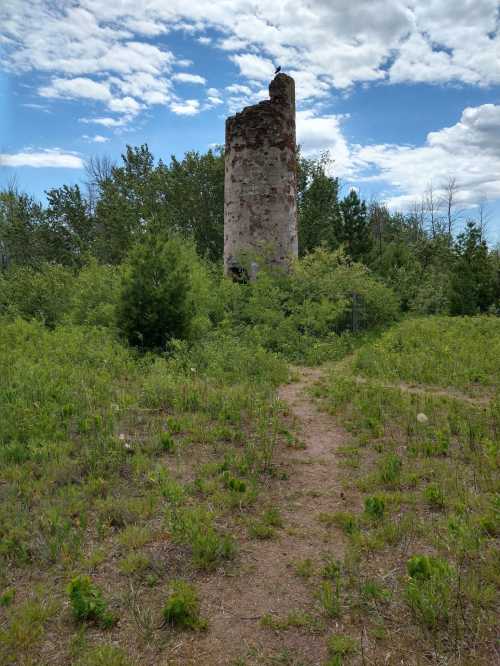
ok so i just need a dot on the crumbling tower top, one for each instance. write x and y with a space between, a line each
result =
260 212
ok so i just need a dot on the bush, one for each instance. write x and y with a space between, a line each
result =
307 315
42 293
88 603
164 294
375 507
182 609
95 295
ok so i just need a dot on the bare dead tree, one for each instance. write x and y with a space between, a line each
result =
98 170
483 217
450 201
431 204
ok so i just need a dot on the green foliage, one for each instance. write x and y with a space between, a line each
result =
94 295
41 293
475 282
162 294
105 655
329 594
167 442
439 351
7 597
319 218
389 469
305 315
194 527
341 645
429 592
182 609
375 507
88 603
434 496
355 233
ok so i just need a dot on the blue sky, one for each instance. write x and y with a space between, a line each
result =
405 94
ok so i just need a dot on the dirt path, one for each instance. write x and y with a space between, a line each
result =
265 580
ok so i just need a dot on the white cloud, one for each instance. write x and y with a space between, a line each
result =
184 77
97 138
468 151
237 89
187 107
338 42
50 157
103 51
317 133
127 105
79 87
105 122
254 67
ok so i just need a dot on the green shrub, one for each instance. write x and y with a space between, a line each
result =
163 297
429 591
329 596
94 295
7 597
331 569
339 644
434 496
88 603
43 293
389 469
375 507
167 442
304 315
182 609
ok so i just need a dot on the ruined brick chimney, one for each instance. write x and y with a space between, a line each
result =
260 209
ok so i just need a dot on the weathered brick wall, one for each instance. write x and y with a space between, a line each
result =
260 210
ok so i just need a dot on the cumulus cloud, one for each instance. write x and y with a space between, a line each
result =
326 44
237 89
106 121
468 151
187 107
185 77
78 87
318 133
50 157
253 66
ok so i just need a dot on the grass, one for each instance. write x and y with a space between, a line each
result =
125 477
429 473
182 609
98 449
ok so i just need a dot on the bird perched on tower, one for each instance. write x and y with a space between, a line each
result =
278 70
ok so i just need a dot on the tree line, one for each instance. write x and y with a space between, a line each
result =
431 268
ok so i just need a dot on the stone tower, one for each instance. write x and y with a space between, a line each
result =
260 209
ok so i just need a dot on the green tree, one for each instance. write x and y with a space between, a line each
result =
474 279
195 200
20 220
355 226
68 230
162 292
318 210
128 198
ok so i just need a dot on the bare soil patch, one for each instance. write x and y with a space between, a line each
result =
265 582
